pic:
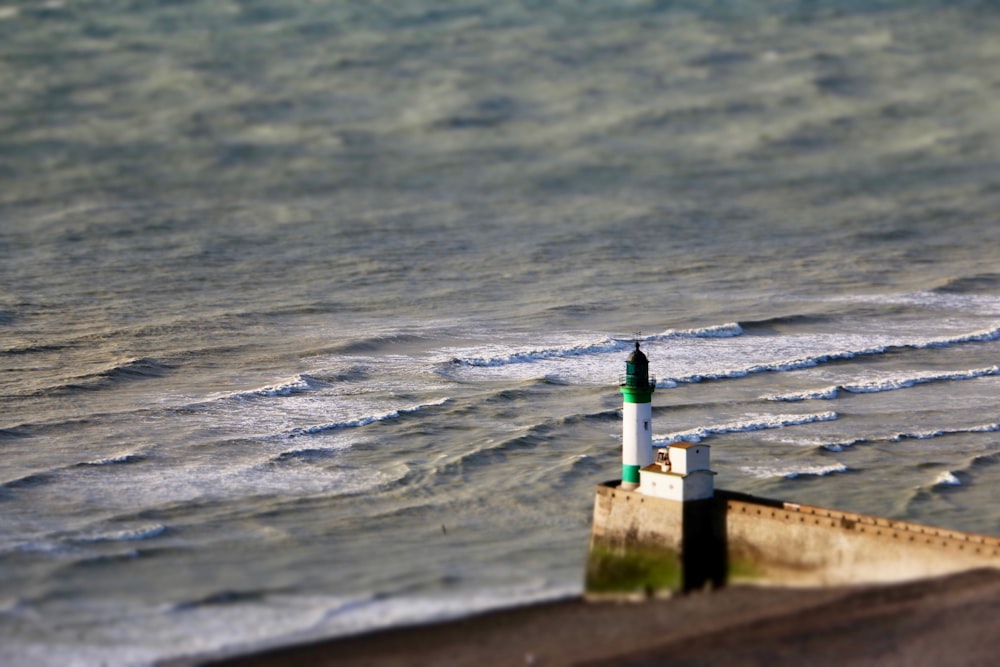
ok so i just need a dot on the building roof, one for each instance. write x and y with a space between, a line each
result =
637 356
686 445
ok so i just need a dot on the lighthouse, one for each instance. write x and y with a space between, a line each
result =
637 418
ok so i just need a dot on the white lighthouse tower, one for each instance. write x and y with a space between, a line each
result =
637 418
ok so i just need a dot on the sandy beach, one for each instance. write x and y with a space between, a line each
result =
950 620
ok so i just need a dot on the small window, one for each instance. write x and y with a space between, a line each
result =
645 425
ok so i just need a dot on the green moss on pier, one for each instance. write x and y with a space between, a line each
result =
633 571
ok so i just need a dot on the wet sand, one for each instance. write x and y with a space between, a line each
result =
952 620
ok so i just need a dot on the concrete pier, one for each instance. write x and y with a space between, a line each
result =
651 545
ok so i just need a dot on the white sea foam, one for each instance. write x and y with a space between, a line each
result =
936 433
295 385
825 393
793 472
984 428
501 357
885 383
841 446
124 534
362 421
981 336
727 330
131 457
921 435
758 423
891 383
240 471
947 478
712 353
847 352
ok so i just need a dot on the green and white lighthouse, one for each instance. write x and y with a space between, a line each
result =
637 418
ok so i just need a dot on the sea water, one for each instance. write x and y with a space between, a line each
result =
312 313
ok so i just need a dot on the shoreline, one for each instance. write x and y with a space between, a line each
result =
945 620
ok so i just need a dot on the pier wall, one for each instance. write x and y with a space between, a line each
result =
645 544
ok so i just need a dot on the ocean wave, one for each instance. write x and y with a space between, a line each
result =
781 320
27 481
46 547
362 421
841 446
970 284
137 368
947 299
571 469
298 384
727 330
144 368
124 534
947 478
794 472
33 349
373 344
303 454
746 425
985 335
983 460
890 383
539 354
936 433
912 435
495 451
981 336
115 460
601 346
826 393
223 597
365 615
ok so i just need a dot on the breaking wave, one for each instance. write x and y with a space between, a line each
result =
825 394
912 435
883 384
538 354
767 472
124 534
947 478
298 384
841 446
604 345
756 424
727 330
985 335
936 433
362 421
114 460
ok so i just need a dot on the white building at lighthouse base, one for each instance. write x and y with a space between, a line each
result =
679 473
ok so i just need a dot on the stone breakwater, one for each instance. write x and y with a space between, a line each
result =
647 545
